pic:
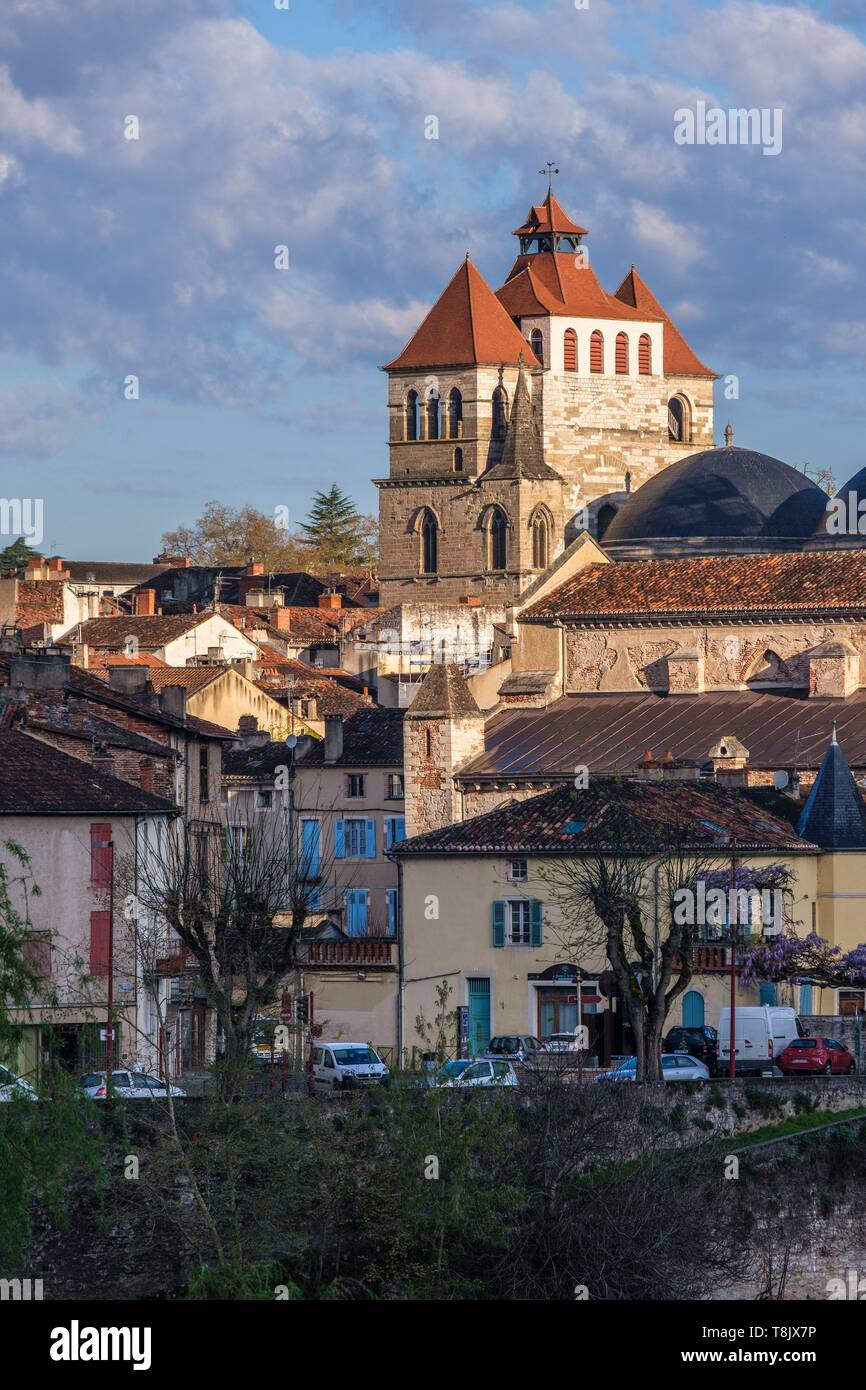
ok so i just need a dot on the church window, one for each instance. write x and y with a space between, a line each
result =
429 543
497 539
412 416
500 412
570 350
433 404
428 744
622 354
596 351
536 342
455 414
679 420
645 355
458 460
540 542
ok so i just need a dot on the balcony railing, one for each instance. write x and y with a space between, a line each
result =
370 951
176 962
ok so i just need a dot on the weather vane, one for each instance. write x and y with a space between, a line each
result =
549 169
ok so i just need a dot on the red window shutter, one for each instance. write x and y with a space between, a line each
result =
100 857
645 355
622 354
37 955
100 925
596 352
570 350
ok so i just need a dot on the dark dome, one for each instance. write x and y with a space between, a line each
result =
850 517
721 499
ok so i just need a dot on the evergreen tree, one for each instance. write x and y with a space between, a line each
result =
15 556
335 532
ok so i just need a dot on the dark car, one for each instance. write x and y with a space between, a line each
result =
816 1056
702 1043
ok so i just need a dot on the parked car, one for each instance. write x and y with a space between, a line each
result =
14 1087
487 1071
450 1071
343 1065
817 1055
761 1034
678 1066
516 1047
131 1085
264 1045
561 1042
702 1043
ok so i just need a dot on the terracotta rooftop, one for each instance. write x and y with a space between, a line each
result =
38 601
371 738
554 283
680 360
805 582
467 325
612 815
99 663
38 780
549 216
153 631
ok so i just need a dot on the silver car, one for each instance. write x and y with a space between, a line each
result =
487 1071
135 1085
676 1066
14 1087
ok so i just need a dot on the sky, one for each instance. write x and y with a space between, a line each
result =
154 258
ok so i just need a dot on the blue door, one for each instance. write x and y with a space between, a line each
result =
806 997
768 993
693 1010
479 1015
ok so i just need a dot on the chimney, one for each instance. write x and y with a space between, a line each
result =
172 562
172 700
330 601
10 639
101 758
128 680
333 738
146 775
56 564
281 619
144 603
35 670
34 562
247 724
255 567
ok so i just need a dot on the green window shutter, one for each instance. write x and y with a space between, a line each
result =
499 923
535 923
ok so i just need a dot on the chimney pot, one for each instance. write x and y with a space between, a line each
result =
172 700
128 680
333 738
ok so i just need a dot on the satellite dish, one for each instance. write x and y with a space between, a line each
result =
780 780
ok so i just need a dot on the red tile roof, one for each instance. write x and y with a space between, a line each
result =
679 357
36 779
100 662
467 325
548 283
155 631
549 216
798 583
38 601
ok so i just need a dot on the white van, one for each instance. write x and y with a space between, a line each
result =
342 1065
761 1033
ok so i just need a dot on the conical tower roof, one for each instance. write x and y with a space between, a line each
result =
467 326
834 816
523 452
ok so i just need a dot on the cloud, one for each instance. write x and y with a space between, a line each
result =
39 418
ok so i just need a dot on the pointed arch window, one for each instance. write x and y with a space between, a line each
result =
455 414
622 354
433 404
596 351
540 542
679 420
569 350
500 412
413 416
645 355
536 342
429 531
458 460
497 540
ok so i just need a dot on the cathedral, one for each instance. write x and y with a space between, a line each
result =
522 417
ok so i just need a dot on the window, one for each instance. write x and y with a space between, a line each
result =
540 545
679 420
497 545
355 838
203 782
500 412
412 416
433 401
395 787
517 871
517 922
36 951
357 904
596 352
622 354
355 785
395 830
458 460
428 744
391 904
101 857
429 543
645 355
265 801
536 342
569 347
455 414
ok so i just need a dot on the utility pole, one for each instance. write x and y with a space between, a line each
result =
109 1036
733 903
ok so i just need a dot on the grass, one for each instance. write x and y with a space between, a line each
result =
797 1124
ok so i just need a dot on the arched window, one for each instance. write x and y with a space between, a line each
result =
596 351
433 415
540 542
497 540
455 414
536 342
412 416
605 516
429 530
679 420
693 1009
500 412
569 349
458 460
622 354
645 355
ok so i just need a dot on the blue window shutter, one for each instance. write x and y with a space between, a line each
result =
371 839
339 839
363 904
310 847
399 829
535 923
351 912
499 923
389 832
391 900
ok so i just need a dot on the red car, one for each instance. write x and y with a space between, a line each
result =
816 1055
